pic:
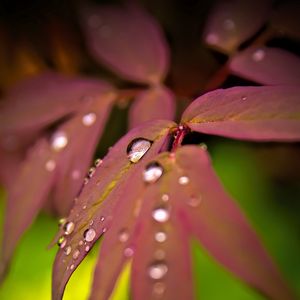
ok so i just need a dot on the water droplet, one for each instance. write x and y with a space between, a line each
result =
102 219
165 197
85 181
92 222
229 24
212 39
160 236
158 288
84 207
75 174
244 98
137 149
69 227
50 165
61 242
203 146
157 270
87 248
258 55
123 236
89 119
61 221
183 180
72 267
194 201
89 235
67 250
161 215
91 172
80 243
59 141
152 172
76 254
98 162
104 229
128 252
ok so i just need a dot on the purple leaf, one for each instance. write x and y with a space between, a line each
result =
248 113
127 40
162 259
51 164
39 101
285 19
268 66
95 207
221 227
232 22
26 197
155 103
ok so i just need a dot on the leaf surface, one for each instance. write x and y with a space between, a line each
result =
248 113
230 23
95 207
155 103
221 227
269 66
128 41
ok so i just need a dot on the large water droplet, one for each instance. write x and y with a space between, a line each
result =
137 149
160 236
157 270
258 55
152 172
123 236
67 250
59 141
161 214
183 180
89 235
89 119
50 165
61 242
69 227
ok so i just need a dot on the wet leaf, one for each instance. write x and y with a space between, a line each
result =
39 101
50 164
222 228
270 66
155 103
128 41
95 207
233 22
248 113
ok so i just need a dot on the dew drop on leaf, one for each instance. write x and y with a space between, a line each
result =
157 270
137 149
258 55
160 236
89 235
98 162
87 248
128 252
152 172
183 180
102 219
165 197
50 165
59 141
61 222
158 289
91 172
67 250
69 227
76 254
61 242
89 119
123 236
72 267
161 214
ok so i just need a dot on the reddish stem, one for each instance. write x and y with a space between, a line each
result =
180 132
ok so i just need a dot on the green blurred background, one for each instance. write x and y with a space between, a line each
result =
262 178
